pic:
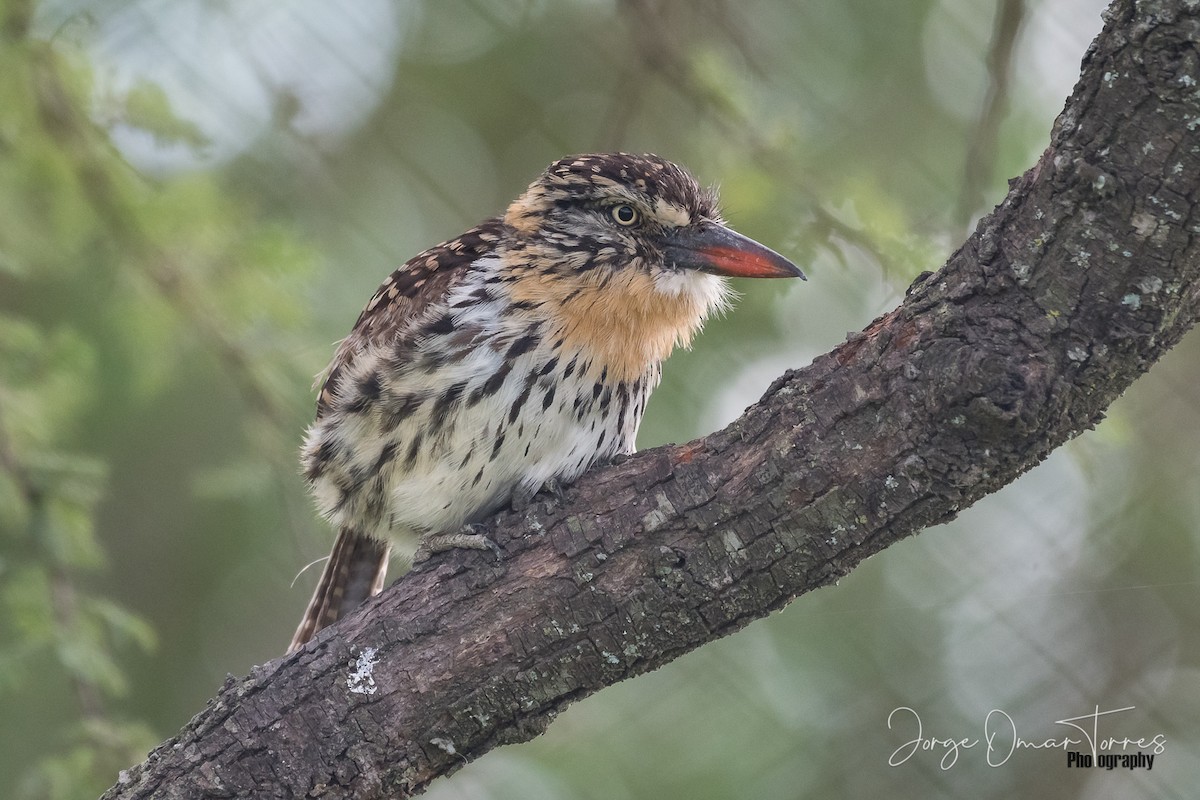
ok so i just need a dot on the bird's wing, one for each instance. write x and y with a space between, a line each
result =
404 294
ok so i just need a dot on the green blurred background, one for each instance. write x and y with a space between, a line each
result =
196 198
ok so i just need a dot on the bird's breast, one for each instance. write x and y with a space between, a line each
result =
444 432
625 321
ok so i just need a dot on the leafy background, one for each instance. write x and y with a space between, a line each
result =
197 197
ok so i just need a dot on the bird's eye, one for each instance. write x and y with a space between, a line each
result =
625 214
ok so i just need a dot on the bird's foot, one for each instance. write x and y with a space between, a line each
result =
614 460
468 537
524 495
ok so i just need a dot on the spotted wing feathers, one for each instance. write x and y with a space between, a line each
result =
404 294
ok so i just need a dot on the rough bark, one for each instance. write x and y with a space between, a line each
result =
1085 275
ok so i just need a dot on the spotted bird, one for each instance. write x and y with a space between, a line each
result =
517 354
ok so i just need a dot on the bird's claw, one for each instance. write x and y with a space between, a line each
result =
524 495
468 537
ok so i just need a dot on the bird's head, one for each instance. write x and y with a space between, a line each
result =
614 211
631 250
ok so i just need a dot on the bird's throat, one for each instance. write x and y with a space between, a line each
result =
621 320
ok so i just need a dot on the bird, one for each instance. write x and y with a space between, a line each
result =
511 358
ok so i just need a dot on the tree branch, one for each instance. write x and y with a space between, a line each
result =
1085 275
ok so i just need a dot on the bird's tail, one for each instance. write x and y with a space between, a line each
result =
355 571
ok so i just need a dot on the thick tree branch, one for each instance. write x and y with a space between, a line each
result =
1085 275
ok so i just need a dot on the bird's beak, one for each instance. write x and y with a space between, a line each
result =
711 247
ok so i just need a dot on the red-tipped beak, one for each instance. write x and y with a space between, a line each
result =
711 247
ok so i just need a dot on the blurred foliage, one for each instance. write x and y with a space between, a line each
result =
111 284
197 198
